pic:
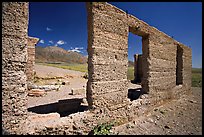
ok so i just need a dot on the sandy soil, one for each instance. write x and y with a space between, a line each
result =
75 79
178 117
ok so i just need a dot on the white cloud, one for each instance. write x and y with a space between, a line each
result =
51 42
42 41
60 42
77 49
48 29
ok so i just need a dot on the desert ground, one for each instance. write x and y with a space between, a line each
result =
177 117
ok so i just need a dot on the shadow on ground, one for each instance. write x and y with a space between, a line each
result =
134 94
63 107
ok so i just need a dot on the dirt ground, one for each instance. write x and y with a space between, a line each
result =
177 117
75 79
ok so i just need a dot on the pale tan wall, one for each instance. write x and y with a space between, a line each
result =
14 59
107 61
31 58
107 85
107 46
159 53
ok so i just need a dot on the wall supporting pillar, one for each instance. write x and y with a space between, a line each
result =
14 59
31 58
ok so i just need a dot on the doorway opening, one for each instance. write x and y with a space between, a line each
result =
135 72
179 65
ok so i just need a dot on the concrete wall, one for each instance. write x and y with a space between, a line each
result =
107 56
14 59
159 53
107 47
31 58
107 86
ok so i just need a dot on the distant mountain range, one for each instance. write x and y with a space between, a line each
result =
56 54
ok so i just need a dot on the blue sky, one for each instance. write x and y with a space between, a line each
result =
64 24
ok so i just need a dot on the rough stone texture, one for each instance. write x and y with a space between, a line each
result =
166 70
107 60
14 58
31 58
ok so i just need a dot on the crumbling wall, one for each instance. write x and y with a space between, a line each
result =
107 86
31 58
107 56
159 54
186 67
14 59
138 68
179 65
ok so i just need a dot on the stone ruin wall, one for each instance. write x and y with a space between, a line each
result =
107 86
107 57
14 59
108 29
31 58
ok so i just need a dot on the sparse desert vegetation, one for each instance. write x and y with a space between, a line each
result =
76 67
196 72
196 77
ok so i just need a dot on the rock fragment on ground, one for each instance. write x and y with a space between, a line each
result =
36 92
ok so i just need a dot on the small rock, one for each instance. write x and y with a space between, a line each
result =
155 109
67 82
13 121
80 91
36 92
49 127
150 120
157 117
191 101
166 127
74 127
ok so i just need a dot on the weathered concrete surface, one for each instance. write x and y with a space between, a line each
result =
107 61
14 59
31 58
166 69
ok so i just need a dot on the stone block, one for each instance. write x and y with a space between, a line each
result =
78 91
105 22
107 72
109 100
12 49
107 56
103 87
36 92
109 40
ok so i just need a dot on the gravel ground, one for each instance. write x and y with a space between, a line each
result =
177 117
75 79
